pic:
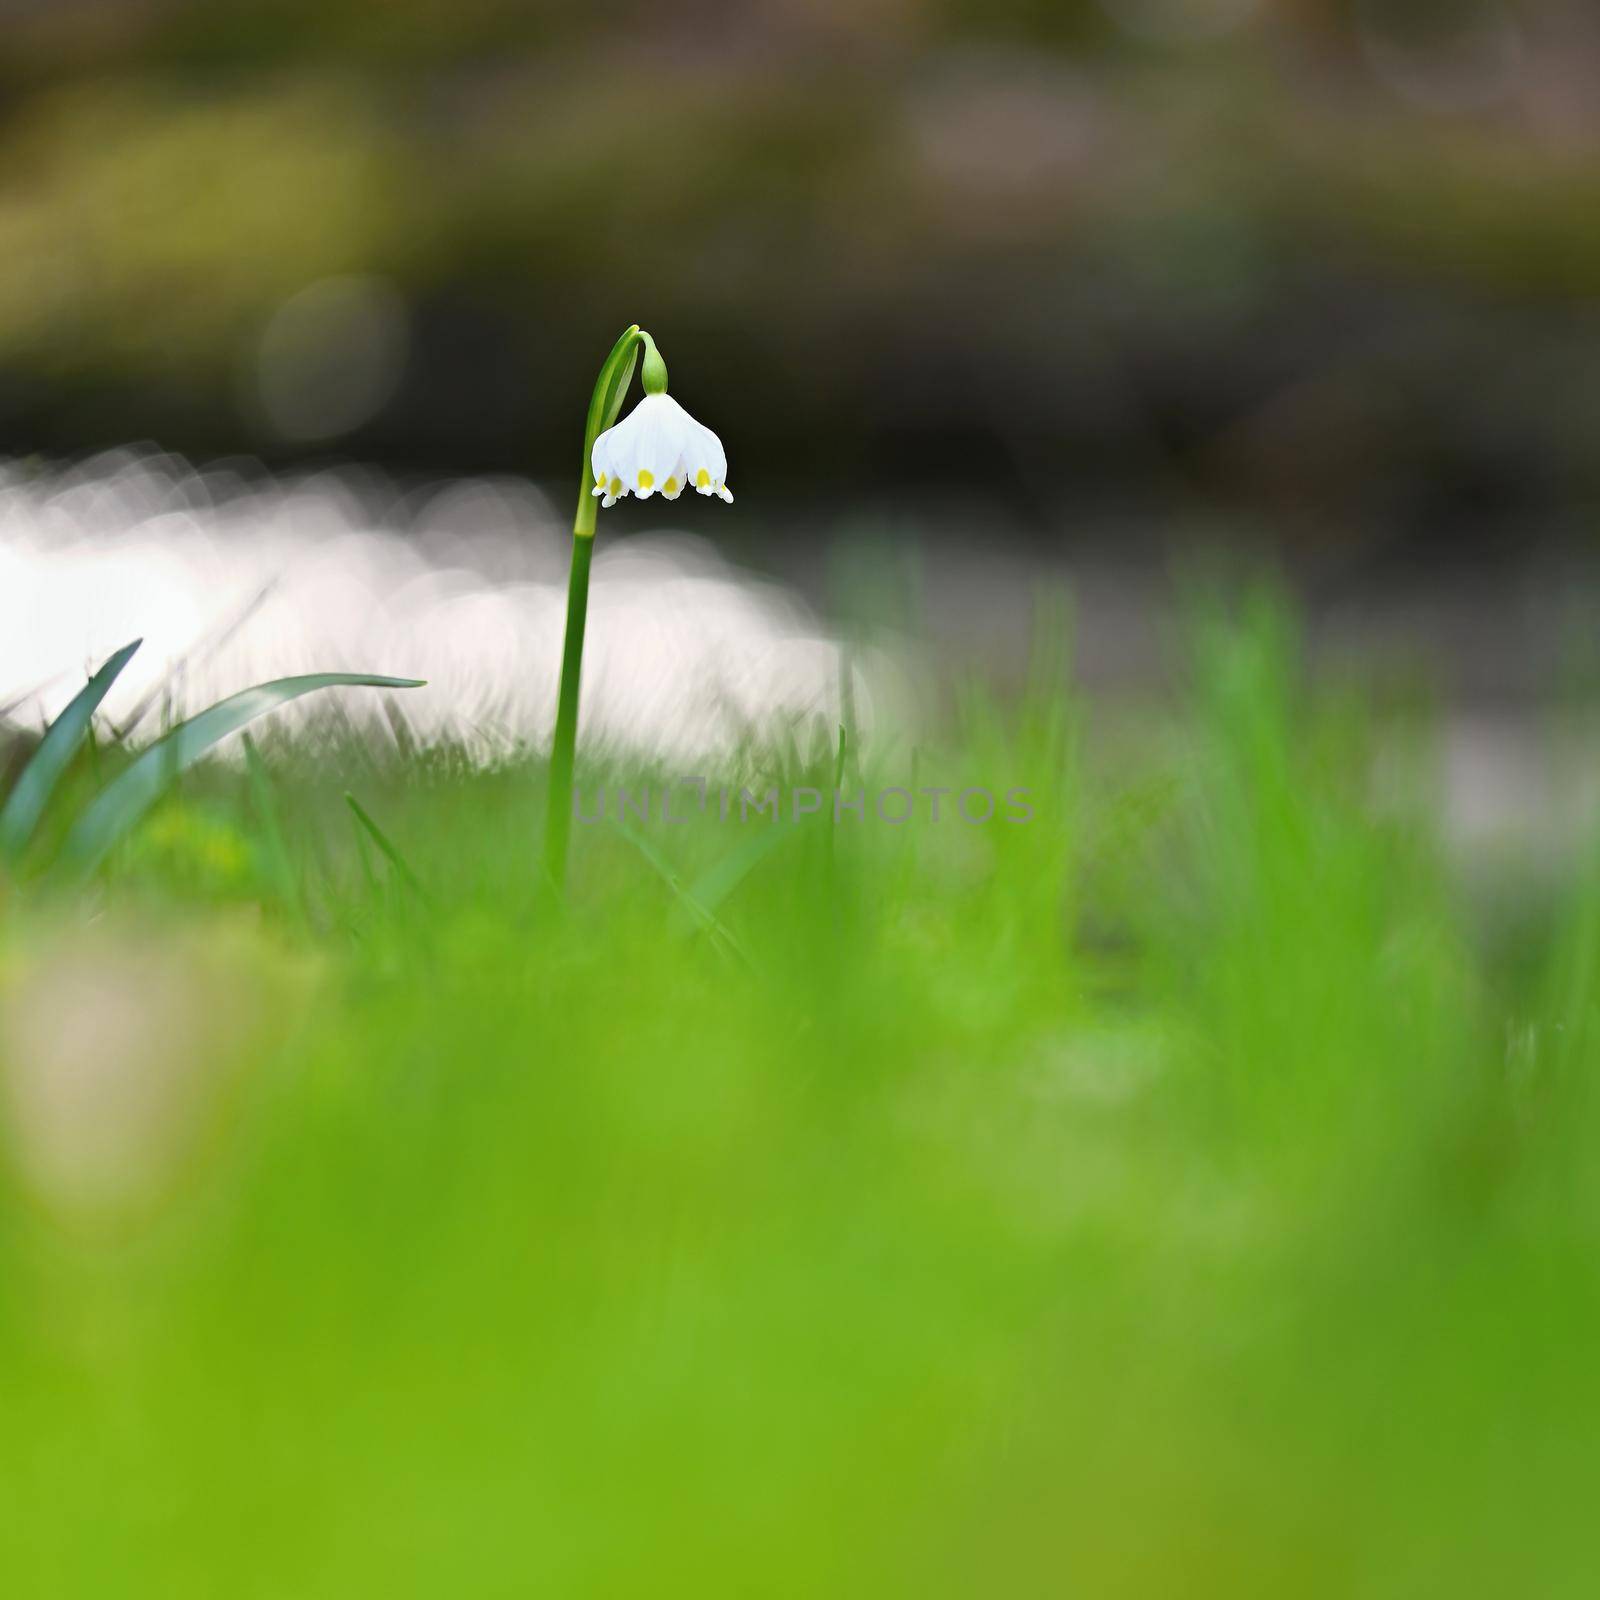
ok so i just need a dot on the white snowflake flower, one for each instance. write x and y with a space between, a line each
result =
658 447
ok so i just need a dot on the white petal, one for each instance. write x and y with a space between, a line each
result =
707 463
659 443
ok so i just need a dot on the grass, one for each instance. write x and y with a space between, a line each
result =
1189 1192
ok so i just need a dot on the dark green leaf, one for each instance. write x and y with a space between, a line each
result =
126 799
26 803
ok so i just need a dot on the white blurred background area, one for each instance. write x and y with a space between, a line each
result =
232 576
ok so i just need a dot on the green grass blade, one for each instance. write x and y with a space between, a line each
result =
126 798
277 849
700 916
386 846
716 883
26 802
364 856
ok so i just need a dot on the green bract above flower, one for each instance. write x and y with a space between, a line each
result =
658 447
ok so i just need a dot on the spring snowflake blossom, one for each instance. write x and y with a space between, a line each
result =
658 447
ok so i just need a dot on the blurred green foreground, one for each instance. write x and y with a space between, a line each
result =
1190 1192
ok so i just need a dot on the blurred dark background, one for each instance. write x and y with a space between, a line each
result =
1324 274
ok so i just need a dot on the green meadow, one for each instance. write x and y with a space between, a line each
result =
1191 1190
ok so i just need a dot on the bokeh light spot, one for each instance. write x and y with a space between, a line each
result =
330 357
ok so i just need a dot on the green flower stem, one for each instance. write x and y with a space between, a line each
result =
610 389
558 819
